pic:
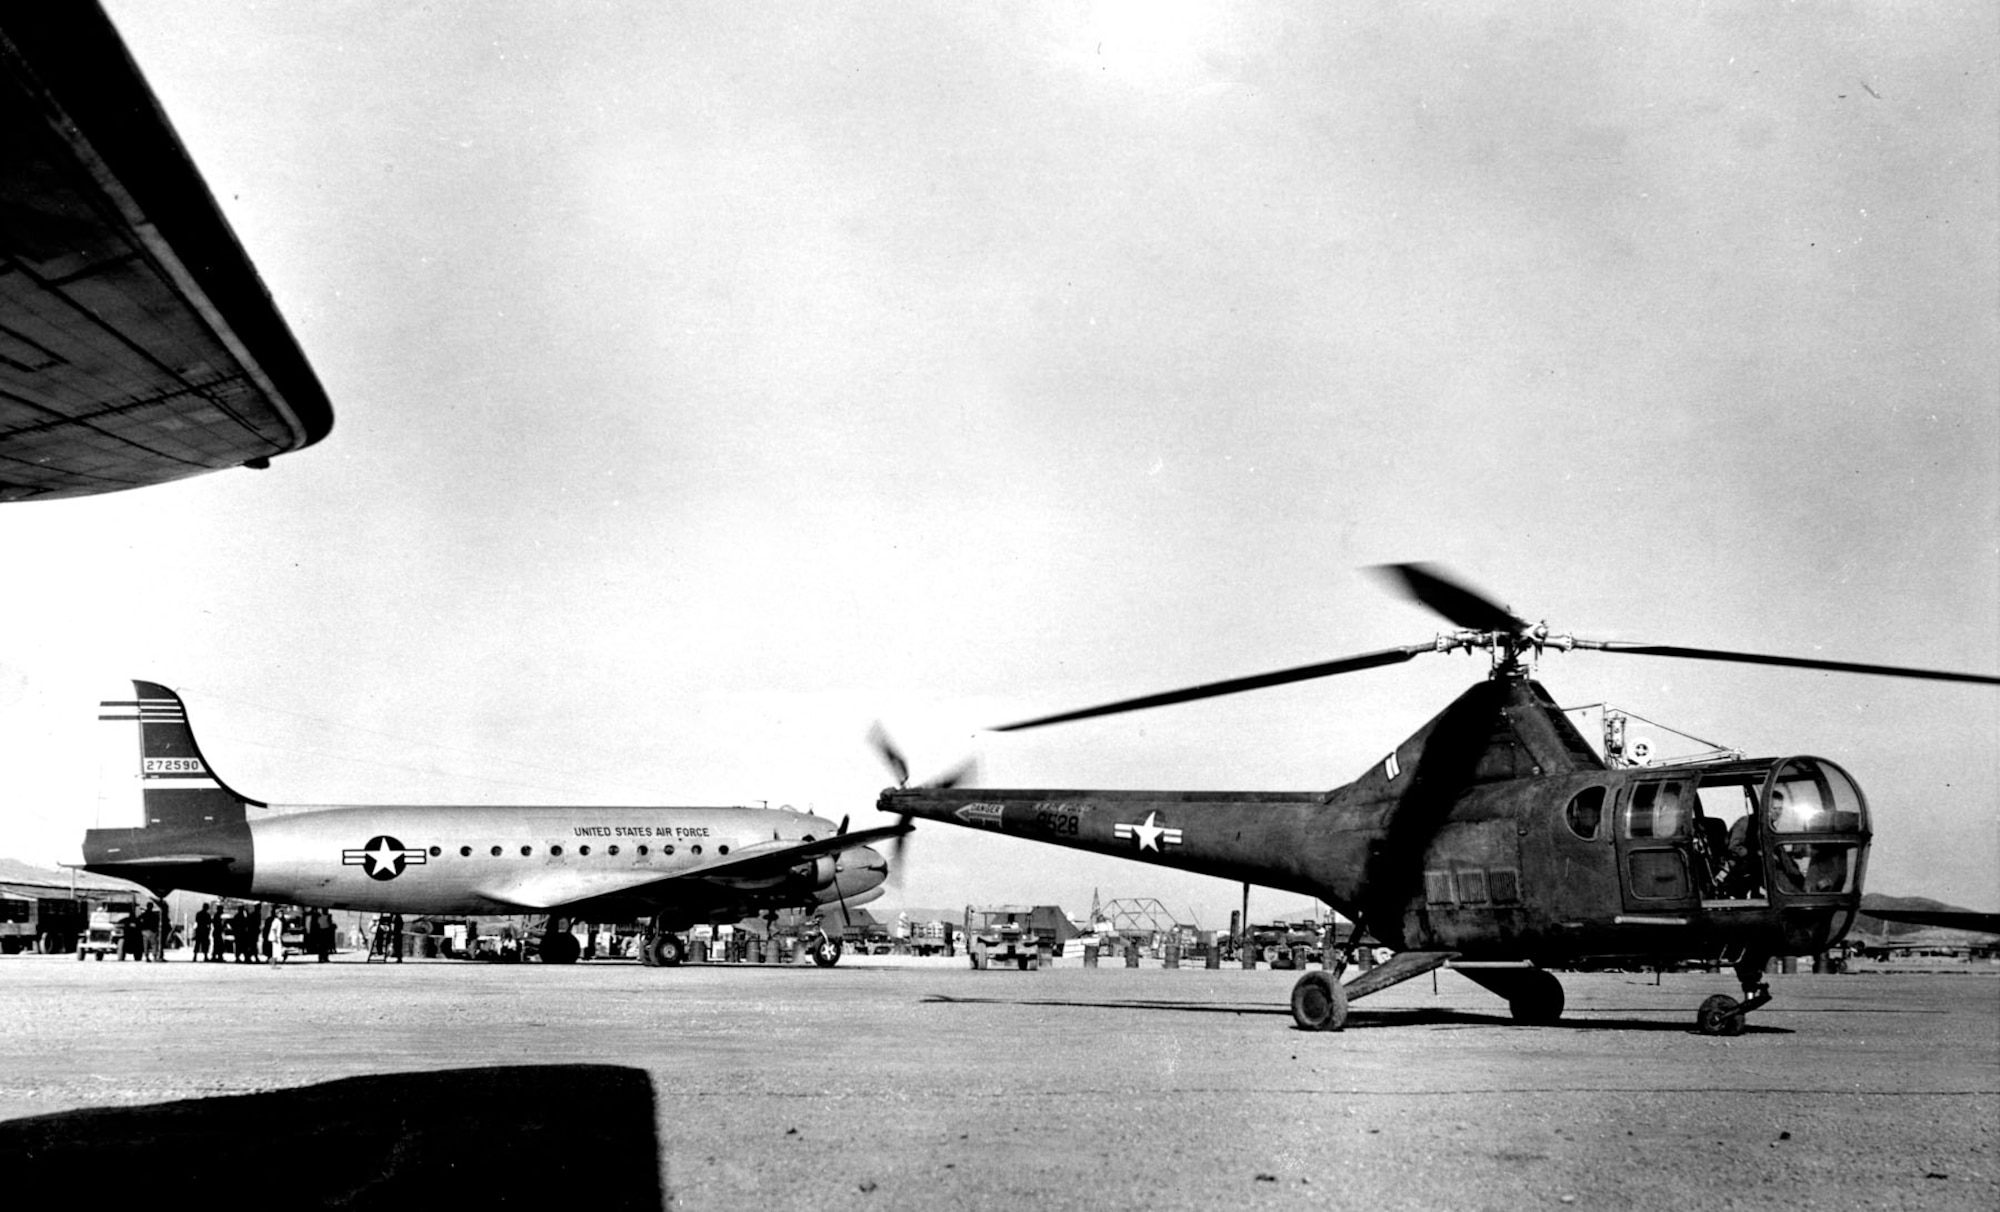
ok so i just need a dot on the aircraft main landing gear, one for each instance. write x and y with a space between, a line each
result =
1534 997
663 950
559 946
1319 1002
826 952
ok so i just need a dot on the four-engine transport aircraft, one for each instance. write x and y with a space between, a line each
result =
175 825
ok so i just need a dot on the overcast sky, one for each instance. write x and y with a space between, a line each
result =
712 380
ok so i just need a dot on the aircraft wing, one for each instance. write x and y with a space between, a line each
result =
137 343
549 889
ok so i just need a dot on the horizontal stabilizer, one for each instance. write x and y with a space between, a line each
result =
154 861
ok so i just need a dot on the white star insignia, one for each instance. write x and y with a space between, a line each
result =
1150 836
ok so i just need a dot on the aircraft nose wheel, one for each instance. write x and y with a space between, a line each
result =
1719 1015
826 952
1319 1003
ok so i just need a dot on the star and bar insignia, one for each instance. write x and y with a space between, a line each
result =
383 857
1150 836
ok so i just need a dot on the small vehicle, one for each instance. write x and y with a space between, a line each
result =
101 937
1006 936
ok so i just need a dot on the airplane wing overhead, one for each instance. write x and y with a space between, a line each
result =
137 343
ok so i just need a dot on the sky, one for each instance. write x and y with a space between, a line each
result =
711 381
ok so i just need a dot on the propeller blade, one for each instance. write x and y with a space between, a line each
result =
1468 608
842 831
879 738
1763 658
1209 690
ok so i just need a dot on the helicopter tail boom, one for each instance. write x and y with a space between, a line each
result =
1289 840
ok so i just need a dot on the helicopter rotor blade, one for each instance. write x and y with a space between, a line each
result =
1468 608
1763 658
1209 690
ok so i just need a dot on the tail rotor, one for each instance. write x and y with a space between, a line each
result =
892 757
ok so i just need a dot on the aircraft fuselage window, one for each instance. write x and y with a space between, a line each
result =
1585 814
554 851
613 852
526 851
436 850
642 851
1659 810
666 849
496 852
583 850
695 849
465 852
718 849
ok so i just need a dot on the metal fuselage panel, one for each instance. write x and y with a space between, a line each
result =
414 860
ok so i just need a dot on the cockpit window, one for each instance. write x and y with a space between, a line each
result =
1811 796
1585 813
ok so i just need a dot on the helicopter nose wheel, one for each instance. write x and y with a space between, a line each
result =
1719 1015
1319 1003
1723 1015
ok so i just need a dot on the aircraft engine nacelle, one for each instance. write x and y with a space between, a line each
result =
819 873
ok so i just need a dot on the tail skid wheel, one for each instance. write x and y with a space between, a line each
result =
1319 1002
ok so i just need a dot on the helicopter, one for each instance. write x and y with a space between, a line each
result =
1494 839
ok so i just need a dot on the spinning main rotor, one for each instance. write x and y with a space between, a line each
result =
1482 624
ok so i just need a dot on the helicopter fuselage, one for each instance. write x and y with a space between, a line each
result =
1497 834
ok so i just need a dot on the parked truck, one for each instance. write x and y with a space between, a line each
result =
49 925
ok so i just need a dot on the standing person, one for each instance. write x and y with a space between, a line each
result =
323 933
274 938
239 935
396 936
149 933
217 943
201 933
255 932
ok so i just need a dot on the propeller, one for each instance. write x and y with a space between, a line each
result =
893 758
1484 624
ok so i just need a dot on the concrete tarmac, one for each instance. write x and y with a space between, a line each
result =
876 1086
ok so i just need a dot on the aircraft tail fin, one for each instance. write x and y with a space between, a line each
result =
154 775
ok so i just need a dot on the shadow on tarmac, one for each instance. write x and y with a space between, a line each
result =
527 1136
1360 1020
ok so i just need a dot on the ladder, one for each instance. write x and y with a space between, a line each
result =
380 939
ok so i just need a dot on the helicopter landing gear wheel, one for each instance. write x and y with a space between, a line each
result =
1319 1003
826 952
668 951
1719 1015
1536 1000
